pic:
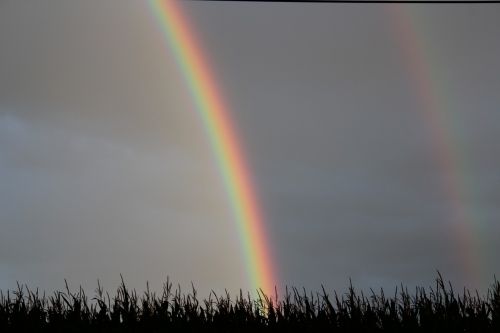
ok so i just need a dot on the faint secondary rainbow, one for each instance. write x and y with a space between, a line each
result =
213 110
428 80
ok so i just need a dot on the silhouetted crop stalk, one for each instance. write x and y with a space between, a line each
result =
437 309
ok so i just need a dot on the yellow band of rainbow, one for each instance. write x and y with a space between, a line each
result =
216 118
428 81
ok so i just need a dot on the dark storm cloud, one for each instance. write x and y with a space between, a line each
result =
336 131
106 169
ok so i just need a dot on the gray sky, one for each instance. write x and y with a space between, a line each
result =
105 167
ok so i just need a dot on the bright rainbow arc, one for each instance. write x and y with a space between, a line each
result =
222 135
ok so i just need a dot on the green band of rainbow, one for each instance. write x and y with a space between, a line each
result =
221 132
429 82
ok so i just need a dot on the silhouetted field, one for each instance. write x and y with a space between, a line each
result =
436 309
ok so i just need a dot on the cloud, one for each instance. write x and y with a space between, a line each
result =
106 168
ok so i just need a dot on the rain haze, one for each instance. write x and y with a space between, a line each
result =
371 132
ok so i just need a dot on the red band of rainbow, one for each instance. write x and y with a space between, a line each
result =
439 118
215 115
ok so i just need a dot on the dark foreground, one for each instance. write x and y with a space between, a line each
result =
437 309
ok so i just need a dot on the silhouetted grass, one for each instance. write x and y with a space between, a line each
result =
437 309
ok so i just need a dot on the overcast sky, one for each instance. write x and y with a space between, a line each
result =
105 167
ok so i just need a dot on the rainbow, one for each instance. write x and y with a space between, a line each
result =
428 80
216 118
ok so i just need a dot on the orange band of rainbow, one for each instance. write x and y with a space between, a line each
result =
439 117
221 132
